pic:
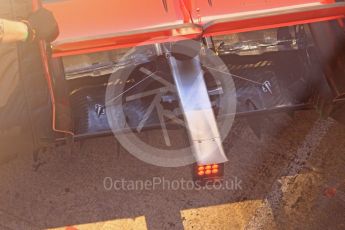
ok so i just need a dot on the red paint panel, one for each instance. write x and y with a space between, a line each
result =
90 25
87 18
122 41
203 8
83 18
274 20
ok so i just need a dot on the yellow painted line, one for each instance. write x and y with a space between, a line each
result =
220 217
138 223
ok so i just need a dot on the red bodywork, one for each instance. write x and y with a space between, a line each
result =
91 26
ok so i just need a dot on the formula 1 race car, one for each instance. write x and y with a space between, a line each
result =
125 67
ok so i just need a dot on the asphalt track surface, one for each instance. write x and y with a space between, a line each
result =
293 177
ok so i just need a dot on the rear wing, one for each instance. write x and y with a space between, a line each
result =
92 26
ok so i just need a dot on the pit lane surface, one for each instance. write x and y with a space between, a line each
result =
291 178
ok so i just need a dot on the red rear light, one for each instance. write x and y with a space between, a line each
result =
201 173
208 172
215 166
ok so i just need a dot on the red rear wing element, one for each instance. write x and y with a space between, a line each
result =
99 25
